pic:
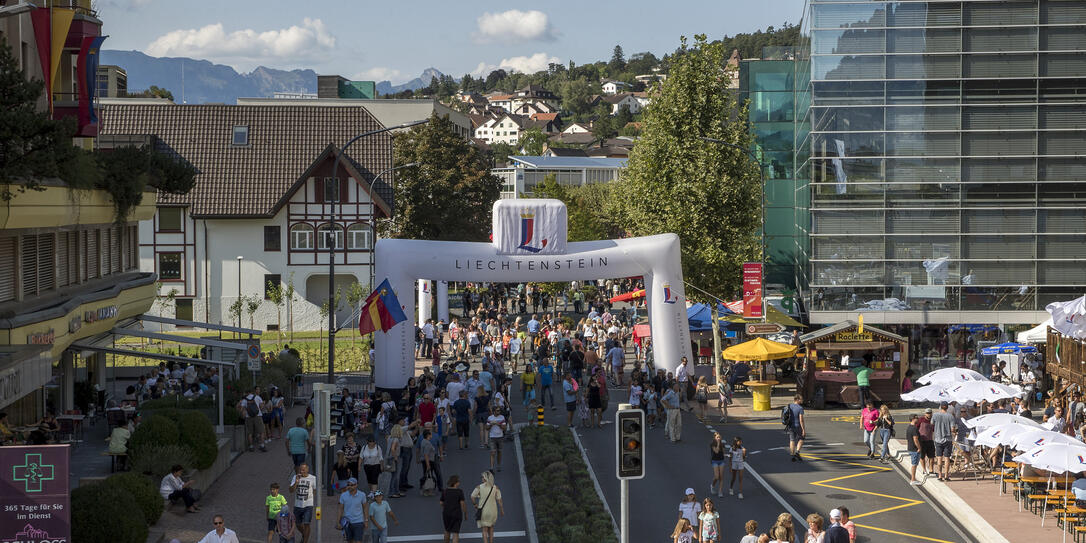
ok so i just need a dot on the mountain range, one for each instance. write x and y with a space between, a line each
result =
196 81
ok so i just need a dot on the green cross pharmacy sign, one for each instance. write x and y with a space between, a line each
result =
35 494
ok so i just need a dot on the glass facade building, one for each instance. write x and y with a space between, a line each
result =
767 86
941 159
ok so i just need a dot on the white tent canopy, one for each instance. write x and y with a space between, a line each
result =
1035 335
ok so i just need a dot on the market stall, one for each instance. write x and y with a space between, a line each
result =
760 350
838 349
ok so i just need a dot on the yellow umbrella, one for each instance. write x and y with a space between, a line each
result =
760 349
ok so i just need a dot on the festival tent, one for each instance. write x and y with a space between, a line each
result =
760 349
1035 335
700 316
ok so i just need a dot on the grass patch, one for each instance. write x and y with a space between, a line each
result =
567 508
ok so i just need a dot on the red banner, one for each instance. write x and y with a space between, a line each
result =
752 290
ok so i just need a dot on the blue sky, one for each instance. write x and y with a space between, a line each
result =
396 40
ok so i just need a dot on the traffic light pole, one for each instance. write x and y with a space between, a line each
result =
624 506
624 482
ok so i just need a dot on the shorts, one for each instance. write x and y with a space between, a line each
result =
717 463
299 459
267 417
927 449
354 531
271 525
462 428
496 443
914 456
303 515
795 434
944 449
481 417
571 406
738 465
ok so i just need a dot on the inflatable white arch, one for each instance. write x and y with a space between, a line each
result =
530 245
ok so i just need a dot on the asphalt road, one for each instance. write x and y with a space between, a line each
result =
836 473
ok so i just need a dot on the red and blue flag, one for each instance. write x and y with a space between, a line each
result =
381 311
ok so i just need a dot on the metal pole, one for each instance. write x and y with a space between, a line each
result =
239 290
624 506
332 251
373 220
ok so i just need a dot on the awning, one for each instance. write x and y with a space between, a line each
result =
203 325
1039 334
772 315
156 356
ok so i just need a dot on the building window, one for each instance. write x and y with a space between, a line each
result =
331 189
358 237
169 219
301 236
182 309
241 136
325 232
271 280
169 266
273 238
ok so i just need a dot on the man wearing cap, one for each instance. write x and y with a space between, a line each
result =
352 512
836 533
943 435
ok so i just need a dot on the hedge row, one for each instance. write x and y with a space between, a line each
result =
179 433
116 510
567 508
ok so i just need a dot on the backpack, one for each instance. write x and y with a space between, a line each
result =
786 415
251 408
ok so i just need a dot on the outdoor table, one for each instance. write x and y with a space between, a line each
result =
761 391
77 422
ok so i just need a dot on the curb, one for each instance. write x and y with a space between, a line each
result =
596 483
525 493
948 502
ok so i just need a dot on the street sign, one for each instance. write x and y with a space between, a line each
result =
764 328
254 357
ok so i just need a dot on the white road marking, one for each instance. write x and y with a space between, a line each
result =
795 514
778 449
440 537
834 444
753 452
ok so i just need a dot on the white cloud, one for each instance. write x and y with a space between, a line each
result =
524 64
380 73
247 48
513 26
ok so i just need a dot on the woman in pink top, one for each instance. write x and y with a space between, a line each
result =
868 417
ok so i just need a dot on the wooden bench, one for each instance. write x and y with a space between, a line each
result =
1079 531
1038 501
115 458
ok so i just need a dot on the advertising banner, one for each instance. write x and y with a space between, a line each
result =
752 290
34 494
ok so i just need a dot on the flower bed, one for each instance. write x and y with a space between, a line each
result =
566 505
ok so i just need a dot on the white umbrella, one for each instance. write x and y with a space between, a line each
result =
950 375
988 391
930 393
1032 438
1062 458
1002 434
995 419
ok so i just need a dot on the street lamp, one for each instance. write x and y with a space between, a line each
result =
373 221
332 243
240 258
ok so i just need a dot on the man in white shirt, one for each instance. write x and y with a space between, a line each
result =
428 338
454 386
221 534
304 487
682 375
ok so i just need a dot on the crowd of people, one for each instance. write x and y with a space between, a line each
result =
699 520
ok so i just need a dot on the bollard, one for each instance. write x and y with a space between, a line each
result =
539 415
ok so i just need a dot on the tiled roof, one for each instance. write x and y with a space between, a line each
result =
544 116
251 180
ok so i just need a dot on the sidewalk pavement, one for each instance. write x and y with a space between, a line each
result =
978 508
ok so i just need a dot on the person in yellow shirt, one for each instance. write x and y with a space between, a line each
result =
273 503
6 435
527 386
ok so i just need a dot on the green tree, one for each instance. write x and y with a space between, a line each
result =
604 125
618 60
500 151
252 305
591 208
622 118
152 92
288 294
575 95
708 194
449 194
276 297
532 142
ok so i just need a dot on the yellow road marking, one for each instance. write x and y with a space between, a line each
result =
845 418
870 470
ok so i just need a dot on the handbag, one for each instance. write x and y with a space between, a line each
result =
479 510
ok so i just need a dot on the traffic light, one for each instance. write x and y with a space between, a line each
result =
630 427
